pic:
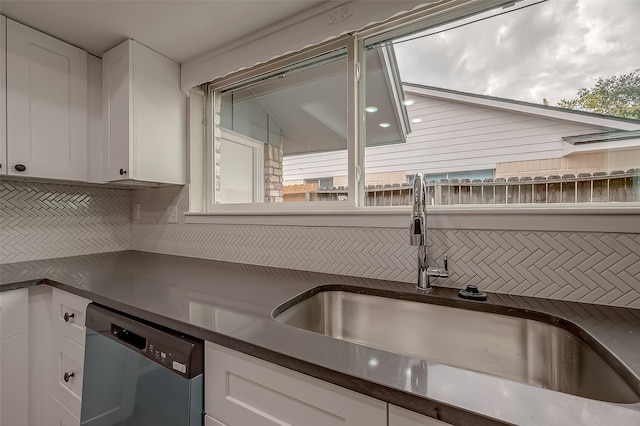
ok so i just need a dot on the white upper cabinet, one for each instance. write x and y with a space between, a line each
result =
3 95
144 116
46 106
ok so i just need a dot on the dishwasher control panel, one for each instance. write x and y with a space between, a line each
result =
181 354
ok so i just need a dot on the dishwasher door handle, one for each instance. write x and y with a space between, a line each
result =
124 335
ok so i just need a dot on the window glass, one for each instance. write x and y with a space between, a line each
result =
533 104
293 123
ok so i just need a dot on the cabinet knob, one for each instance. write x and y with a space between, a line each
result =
68 376
68 316
123 172
20 167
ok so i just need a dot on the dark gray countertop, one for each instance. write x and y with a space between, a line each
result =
231 304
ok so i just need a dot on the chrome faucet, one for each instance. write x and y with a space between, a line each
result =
418 236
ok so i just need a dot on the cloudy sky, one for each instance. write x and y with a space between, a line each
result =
549 50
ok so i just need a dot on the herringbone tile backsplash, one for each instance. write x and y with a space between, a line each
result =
601 268
41 221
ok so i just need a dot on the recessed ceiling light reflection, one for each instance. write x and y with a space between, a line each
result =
384 125
416 120
373 362
408 102
371 108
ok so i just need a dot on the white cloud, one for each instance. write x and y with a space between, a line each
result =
549 50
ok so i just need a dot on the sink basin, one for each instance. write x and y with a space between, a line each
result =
521 349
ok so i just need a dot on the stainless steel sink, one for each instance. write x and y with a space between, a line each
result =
520 349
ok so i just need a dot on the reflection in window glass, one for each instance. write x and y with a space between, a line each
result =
536 103
297 117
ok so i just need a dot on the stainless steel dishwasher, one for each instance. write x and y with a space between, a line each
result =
139 374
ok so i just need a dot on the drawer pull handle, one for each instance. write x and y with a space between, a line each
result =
68 316
68 376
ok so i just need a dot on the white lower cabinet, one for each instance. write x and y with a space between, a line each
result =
401 417
62 417
242 390
68 369
14 380
14 362
55 350
68 319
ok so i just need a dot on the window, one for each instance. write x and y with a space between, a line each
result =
283 134
510 106
499 106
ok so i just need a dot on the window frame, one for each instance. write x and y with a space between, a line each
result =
213 91
343 212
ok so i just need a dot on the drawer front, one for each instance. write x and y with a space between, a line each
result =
241 390
69 315
14 312
69 357
62 416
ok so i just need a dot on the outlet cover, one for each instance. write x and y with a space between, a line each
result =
135 214
172 214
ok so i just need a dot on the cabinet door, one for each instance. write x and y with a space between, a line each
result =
144 111
14 312
401 417
159 117
3 95
41 362
14 380
117 113
46 106
241 390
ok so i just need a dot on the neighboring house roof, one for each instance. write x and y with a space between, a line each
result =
547 111
602 137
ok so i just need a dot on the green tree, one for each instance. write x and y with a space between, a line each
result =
617 95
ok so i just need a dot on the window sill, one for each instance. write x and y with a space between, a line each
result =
591 218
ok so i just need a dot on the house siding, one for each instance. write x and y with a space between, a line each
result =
453 136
